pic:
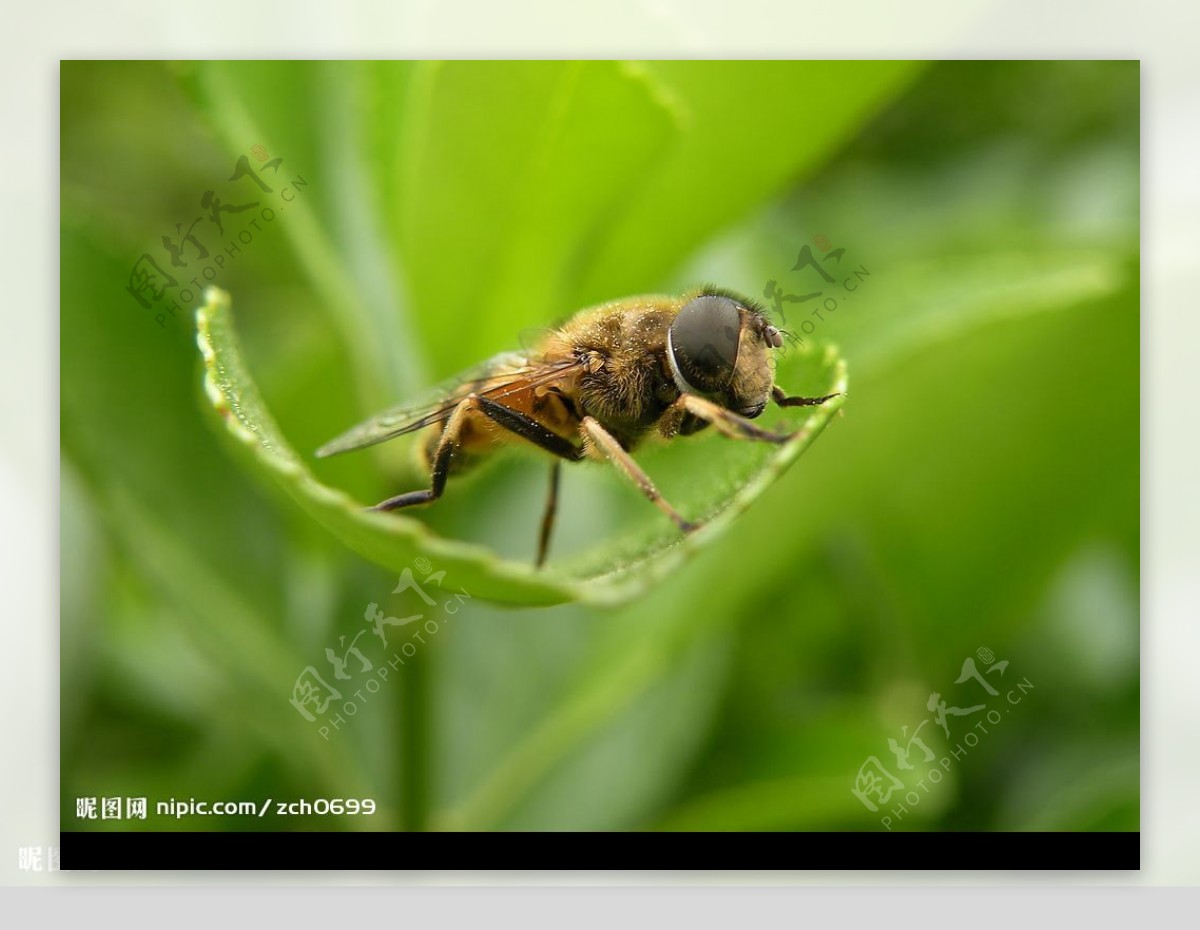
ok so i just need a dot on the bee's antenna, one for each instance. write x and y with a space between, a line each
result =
789 337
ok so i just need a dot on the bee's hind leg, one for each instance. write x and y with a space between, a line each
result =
506 418
440 470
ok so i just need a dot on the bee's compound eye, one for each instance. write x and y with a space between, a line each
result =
704 342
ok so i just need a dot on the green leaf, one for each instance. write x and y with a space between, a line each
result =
607 574
751 128
498 207
252 103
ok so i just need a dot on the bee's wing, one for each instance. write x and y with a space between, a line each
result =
505 374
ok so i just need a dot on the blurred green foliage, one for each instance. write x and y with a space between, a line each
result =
979 490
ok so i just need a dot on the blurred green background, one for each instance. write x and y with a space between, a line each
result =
979 490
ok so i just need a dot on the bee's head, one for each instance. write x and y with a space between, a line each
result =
719 346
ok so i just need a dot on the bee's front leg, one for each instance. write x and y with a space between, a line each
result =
738 427
726 421
781 398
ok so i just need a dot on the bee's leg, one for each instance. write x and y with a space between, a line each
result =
606 443
548 516
441 463
781 398
728 422
511 420
527 428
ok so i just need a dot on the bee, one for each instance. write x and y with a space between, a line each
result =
596 387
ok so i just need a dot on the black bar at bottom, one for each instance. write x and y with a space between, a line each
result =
601 851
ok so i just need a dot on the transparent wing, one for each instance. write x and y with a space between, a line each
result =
505 374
